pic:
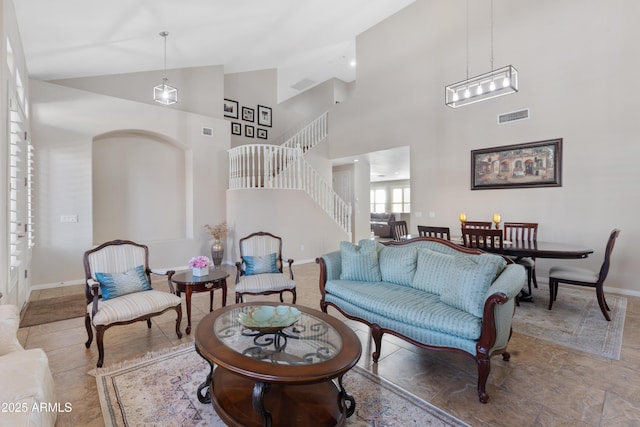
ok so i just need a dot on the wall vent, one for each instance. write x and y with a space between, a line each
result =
207 131
513 116
303 84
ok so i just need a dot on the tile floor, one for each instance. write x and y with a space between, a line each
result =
543 384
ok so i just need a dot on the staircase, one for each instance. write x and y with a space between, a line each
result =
283 167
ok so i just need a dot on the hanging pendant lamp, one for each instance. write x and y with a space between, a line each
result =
163 93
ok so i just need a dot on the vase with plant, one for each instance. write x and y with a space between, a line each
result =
199 265
217 233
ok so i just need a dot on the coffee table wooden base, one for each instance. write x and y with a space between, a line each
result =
289 405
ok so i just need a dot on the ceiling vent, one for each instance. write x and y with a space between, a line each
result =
513 116
207 131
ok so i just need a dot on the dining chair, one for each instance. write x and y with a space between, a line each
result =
482 238
584 277
475 224
260 271
118 290
523 232
440 232
398 229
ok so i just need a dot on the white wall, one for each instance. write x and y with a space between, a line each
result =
307 232
65 122
574 58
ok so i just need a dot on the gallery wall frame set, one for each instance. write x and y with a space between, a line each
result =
532 164
230 108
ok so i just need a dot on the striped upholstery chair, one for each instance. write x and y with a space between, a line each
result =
260 271
131 298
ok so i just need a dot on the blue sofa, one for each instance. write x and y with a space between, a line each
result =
427 291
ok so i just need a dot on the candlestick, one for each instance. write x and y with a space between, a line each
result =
496 219
463 217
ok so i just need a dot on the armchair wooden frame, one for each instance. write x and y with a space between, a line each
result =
240 268
93 296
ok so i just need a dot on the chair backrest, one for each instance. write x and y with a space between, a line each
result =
604 270
261 243
440 232
521 231
116 256
476 224
398 229
482 238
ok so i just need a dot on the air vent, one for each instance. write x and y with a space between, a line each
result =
513 116
303 84
207 131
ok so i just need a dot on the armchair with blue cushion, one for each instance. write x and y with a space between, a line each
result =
119 290
260 270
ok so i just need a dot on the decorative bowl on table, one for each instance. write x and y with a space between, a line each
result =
269 319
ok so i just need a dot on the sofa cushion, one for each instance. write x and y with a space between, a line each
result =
360 262
407 305
471 277
433 271
9 323
260 264
398 264
113 285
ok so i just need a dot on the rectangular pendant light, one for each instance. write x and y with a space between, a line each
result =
502 81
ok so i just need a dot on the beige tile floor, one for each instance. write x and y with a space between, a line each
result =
543 384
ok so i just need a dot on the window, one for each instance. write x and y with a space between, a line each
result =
378 200
400 200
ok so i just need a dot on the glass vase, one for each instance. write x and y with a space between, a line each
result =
217 253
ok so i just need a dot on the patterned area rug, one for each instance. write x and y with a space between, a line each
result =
160 389
575 320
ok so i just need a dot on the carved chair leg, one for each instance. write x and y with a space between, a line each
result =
484 367
376 334
99 341
602 303
293 292
87 324
533 275
178 320
149 323
552 292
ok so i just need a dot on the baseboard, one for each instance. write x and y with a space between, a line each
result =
607 289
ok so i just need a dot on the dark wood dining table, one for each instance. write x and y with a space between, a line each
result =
537 249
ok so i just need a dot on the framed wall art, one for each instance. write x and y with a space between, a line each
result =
236 129
247 114
264 116
248 131
533 164
262 133
230 108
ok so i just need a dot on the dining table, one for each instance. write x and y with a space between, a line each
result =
531 249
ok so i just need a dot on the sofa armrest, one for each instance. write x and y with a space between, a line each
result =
499 308
333 265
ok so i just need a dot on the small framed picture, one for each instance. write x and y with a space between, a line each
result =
262 133
230 108
264 116
247 114
236 129
248 131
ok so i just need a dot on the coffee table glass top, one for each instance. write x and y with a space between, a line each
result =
308 341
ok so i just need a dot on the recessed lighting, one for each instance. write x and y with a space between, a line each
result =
355 160
352 63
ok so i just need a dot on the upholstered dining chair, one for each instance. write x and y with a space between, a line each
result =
398 229
260 272
118 290
584 277
482 238
439 232
524 232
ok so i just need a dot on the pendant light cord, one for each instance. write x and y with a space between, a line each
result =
467 39
491 59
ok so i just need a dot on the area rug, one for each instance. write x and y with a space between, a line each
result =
53 309
160 390
575 320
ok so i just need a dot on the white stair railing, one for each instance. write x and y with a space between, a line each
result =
308 135
284 168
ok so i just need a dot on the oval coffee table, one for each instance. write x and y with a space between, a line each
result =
284 378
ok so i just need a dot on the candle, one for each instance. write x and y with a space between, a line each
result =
496 218
463 217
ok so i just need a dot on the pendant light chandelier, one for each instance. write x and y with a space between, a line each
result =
163 93
497 82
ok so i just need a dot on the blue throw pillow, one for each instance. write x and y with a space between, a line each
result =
114 285
260 264
360 262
